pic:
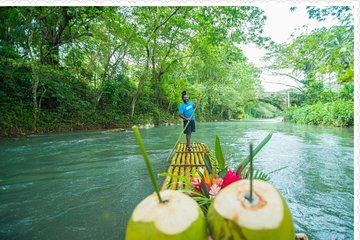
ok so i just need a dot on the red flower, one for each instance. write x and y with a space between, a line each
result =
229 178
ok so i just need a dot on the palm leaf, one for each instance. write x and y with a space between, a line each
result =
218 153
257 174
203 201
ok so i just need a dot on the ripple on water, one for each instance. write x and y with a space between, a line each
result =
85 185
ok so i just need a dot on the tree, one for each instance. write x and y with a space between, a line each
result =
94 65
324 55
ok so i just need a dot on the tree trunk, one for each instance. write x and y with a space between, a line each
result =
168 107
157 84
141 81
36 79
135 98
52 56
137 94
97 92
222 113
228 114
35 85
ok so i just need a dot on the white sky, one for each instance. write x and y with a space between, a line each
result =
280 24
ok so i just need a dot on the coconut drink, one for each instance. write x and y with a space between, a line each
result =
233 216
178 217
167 214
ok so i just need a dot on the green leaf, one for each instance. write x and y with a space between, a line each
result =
201 175
223 172
256 150
147 162
208 164
260 175
218 153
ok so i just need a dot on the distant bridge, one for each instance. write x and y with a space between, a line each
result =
281 100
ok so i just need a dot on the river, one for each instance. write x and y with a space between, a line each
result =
84 185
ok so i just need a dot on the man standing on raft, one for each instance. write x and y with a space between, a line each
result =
186 109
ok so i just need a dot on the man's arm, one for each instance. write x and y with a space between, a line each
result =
181 113
183 117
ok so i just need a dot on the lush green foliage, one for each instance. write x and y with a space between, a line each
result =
263 110
75 67
337 113
81 67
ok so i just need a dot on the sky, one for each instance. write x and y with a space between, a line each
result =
280 24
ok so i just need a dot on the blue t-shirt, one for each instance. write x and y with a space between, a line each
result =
187 109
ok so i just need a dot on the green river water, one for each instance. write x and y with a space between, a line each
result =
84 185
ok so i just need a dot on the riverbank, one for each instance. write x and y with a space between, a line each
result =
140 121
116 127
119 127
25 132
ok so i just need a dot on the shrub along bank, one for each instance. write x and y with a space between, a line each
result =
338 113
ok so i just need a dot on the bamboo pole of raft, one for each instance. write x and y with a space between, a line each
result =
182 170
201 156
197 154
197 159
188 168
192 152
190 165
176 169
192 161
170 170
205 149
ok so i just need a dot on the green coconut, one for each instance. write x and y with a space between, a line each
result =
179 217
233 216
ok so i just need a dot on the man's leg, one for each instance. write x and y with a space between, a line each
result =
188 136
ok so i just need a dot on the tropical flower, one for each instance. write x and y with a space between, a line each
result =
229 178
214 190
195 181
218 181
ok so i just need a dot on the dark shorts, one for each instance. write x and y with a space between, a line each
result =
190 127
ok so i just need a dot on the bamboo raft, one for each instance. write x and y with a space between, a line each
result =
183 163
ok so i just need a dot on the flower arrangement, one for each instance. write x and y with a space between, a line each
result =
210 186
207 182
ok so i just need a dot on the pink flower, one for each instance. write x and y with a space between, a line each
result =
218 181
195 181
229 178
214 190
